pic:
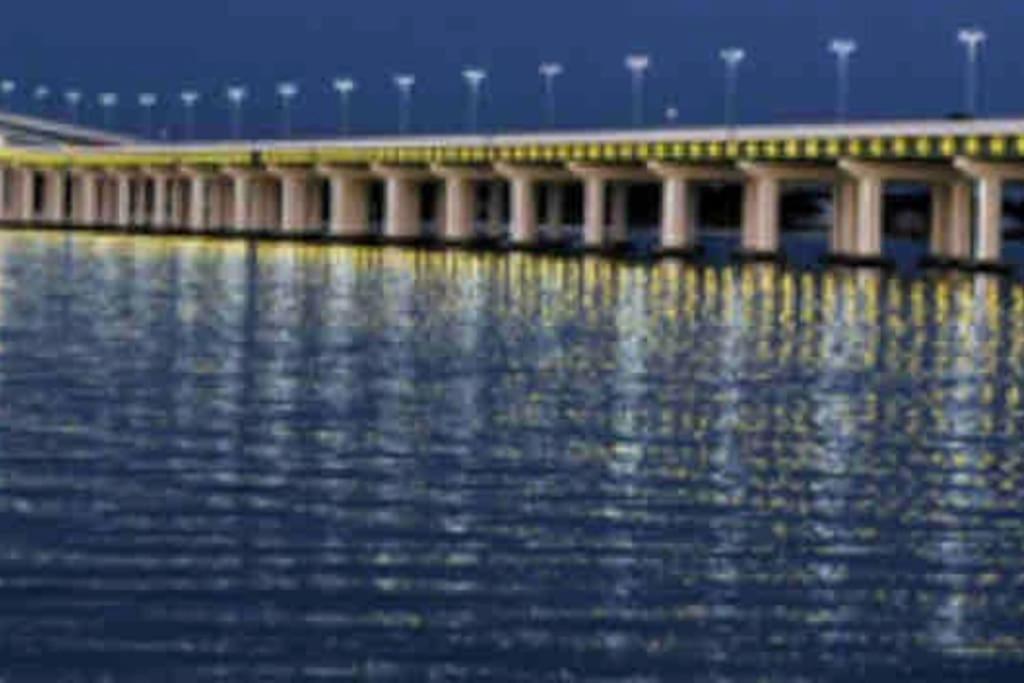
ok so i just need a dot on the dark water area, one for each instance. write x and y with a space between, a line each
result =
238 462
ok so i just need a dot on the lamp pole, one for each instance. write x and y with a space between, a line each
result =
972 39
108 101
843 49
189 98
638 65
405 84
549 71
474 79
345 87
287 91
147 101
73 98
7 88
732 57
236 97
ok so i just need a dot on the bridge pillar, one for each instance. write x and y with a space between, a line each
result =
4 193
460 183
843 232
26 195
159 215
349 203
85 200
198 207
54 188
237 203
523 226
295 195
989 179
949 238
140 208
678 232
403 205
123 192
618 232
594 217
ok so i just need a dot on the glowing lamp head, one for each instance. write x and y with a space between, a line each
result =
147 100
733 56
287 90
551 69
108 100
344 85
189 98
842 47
474 76
405 82
638 63
237 94
971 37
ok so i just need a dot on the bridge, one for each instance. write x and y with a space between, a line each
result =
325 188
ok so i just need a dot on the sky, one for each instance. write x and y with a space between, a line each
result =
909 62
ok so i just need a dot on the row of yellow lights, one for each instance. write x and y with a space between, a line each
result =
809 149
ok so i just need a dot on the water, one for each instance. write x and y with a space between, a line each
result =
221 461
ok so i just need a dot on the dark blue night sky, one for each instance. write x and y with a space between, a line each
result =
909 63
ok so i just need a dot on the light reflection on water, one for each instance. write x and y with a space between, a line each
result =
224 461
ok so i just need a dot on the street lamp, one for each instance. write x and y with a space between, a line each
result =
7 88
147 101
550 71
73 98
474 79
287 92
732 57
638 65
843 49
236 96
108 101
404 83
41 94
671 115
189 98
345 87
972 40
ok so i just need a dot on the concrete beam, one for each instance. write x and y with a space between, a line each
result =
791 172
884 171
613 173
717 173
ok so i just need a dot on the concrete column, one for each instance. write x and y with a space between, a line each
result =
123 215
350 205
402 208
197 206
594 212
555 205
27 200
761 215
85 198
294 205
459 210
495 207
988 239
53 196
867 241
958 241
523 227
677 232
4 176
844 217
140 210
240 184
618 232
158 217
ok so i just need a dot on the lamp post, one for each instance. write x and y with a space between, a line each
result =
236 97
638 65
7 88
405 84
108 101
147 101
549 71
732 57
41 95
189 98
345 87
972 39
474 79
287 91
74 99
843 49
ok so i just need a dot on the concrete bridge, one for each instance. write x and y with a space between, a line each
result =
323 188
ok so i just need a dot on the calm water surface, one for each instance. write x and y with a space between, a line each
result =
221 461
